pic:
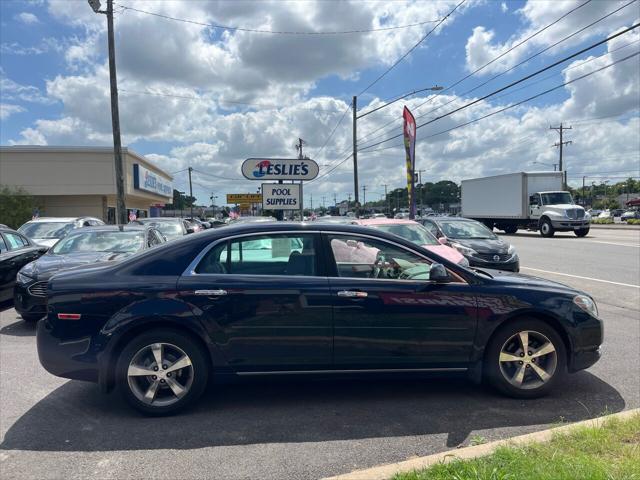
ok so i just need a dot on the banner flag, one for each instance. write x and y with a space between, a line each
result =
409 129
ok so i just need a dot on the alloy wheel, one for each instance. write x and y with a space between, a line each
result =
528 360
160 374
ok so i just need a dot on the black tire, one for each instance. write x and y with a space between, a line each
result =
546 228
581 232
32 318
537 329
198 371
510 229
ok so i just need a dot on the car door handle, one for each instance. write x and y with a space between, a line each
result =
211 293
352 294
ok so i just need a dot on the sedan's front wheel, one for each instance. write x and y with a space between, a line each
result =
161 371
525 359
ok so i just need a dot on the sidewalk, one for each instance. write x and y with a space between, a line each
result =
616 226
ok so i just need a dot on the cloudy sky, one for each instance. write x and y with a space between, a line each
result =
238 79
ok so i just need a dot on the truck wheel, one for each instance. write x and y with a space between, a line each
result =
581 232
510 229
546 229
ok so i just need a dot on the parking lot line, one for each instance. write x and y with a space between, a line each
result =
583 278
617 244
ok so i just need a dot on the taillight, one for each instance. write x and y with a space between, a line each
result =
69 316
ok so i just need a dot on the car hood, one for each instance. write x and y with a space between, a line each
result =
484 245
520 279
444 251
47 265
45 242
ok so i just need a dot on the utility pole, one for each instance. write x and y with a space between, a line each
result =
561 144
348 202
323 197
355 152
420 183
335 201
584 203
300 156
364 195
121 209
191 191
386 199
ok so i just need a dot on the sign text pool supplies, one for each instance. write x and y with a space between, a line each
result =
280 196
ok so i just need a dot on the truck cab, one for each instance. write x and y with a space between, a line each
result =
556 212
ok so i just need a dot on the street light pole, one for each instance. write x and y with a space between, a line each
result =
121 209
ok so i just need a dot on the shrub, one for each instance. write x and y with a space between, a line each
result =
16 206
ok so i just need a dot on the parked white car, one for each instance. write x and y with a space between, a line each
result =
46 231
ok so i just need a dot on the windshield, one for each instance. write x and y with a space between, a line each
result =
462 229
116 242
46 229
556 198
414 233
169 229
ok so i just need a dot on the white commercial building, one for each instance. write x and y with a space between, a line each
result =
77 181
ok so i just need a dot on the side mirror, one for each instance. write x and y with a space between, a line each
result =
438 273
43 250
443 240
190 230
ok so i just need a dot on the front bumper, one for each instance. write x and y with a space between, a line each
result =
68 359
584 359
570 224
511 265
27 304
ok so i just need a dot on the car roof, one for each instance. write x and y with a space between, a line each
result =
385 221
112 228
56 219
456 219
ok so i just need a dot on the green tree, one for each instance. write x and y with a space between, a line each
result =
16 206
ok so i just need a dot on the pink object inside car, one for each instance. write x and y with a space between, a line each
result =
416 233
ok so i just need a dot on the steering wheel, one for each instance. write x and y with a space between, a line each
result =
378 266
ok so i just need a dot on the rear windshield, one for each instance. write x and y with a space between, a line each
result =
46 229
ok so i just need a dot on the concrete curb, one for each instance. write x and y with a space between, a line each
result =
385 472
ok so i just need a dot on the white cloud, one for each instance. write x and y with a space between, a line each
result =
504 7
6 110
14 91
27 18
535 15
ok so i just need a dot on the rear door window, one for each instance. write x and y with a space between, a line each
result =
3 245
280 254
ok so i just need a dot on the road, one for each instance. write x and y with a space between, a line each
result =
54 428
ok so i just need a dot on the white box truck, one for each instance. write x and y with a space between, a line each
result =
532 201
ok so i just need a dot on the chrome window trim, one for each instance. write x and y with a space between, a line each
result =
190 271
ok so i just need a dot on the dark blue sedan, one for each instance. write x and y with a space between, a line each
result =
315 299
83 246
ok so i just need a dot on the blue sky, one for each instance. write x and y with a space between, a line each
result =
55 85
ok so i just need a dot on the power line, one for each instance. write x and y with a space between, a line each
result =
523 79
332 131
518 103
278 32
424 37
533 56
509 69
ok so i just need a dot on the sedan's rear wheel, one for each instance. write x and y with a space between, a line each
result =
161 372
525 359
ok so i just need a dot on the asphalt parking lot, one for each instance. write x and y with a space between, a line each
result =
54 428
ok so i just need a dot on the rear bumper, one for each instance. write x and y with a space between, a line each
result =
68 359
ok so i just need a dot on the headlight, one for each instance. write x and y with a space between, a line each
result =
587 304
22 278
511 250
463 250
